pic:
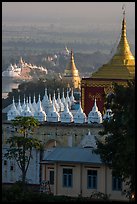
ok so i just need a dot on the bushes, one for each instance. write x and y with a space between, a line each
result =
100 196
15 194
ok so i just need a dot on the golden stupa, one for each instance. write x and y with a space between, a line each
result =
122 64
119 69
71 72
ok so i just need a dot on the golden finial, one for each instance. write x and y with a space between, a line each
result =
124 10
71 54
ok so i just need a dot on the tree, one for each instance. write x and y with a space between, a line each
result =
20 146
118 151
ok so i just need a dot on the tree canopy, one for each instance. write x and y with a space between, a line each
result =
118 151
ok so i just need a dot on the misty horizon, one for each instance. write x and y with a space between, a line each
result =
97 14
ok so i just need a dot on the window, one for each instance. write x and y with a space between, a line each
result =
5 162
11 168
67 177
92 179
51 177
116 183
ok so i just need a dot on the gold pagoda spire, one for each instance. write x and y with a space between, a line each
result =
123 49
122 64
71 71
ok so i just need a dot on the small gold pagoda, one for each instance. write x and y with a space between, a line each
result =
71 72
119 69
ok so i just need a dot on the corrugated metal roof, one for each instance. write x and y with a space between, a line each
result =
72 155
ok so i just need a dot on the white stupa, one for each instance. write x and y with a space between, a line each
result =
89 140
53 115
80 116
26 111
66 116
40 114
13 112
95 115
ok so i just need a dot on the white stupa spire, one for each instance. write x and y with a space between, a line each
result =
72 99
68 99
19 107
30 105
61 105
34 104
55 103
24 104
63 100
50 101
46 95
95 108
39 102
45 101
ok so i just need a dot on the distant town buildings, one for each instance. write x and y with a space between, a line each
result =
22 70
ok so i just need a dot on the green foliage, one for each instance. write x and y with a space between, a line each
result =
15 194
25 124
118 152
99 196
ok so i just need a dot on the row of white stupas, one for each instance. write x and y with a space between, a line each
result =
55 110
15 70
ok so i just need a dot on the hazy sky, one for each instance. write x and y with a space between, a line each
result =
96 12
